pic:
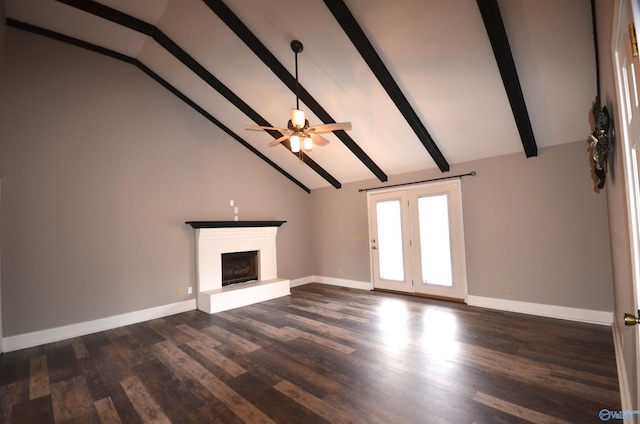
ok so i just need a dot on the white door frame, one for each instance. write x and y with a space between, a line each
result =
629 141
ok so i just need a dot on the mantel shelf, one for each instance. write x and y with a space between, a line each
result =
233 224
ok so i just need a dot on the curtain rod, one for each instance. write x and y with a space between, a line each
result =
472 173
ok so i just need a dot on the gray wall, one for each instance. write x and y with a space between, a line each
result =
100 167
536 223
615 191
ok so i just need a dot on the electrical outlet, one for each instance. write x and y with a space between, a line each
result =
179 292
509 287
189 290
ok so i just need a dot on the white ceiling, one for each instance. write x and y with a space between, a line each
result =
438 52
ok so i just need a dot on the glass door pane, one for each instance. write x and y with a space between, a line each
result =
439 267
390 237
435 240
390 251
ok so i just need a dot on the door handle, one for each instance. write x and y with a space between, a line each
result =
373 248
631 319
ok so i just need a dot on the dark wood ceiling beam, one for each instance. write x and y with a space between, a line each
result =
244 33
152 31
502 51
119 56
359 39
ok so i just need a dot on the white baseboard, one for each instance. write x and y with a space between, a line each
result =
36 338
302 281
341 282
352 284
549 311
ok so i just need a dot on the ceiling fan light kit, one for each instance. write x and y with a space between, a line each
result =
300 134
298 124
297 118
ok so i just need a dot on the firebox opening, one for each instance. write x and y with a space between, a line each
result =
238 267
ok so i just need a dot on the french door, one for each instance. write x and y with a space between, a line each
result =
417 240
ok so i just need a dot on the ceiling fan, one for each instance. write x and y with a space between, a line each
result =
300 134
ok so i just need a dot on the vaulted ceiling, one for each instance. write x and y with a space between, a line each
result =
425 83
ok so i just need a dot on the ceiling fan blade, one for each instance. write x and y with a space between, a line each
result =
345 126
279 140
319 140
261 128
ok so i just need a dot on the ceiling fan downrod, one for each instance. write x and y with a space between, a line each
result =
297 47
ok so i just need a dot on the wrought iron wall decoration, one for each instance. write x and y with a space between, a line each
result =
602 141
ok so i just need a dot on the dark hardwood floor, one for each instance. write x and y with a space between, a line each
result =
323 354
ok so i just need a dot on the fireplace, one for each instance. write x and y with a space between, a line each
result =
239 267
229 252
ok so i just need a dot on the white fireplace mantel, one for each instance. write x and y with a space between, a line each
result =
213 238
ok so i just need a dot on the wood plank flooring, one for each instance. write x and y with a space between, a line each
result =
322 355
